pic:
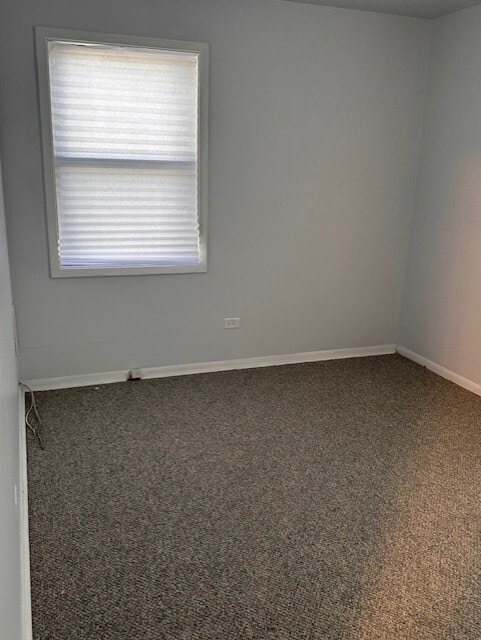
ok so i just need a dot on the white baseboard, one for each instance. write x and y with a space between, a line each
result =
66 382
27 633
441 371
82 380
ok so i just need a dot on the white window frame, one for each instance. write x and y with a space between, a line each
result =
43 35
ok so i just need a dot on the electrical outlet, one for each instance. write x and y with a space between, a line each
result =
231 323
135 374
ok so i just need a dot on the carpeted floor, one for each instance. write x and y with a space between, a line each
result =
337 500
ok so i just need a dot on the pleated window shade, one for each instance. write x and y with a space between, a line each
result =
125 154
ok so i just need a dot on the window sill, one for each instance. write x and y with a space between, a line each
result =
56 272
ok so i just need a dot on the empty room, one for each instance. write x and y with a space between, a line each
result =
240 320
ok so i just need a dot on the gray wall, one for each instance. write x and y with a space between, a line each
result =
441 317
10 603
314 130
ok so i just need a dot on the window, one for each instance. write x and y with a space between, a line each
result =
124 131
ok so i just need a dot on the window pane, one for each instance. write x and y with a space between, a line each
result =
124 124
127 217
123 102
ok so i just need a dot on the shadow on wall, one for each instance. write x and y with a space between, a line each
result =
443 301
458 331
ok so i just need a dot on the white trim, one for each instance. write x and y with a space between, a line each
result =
66 382
85 380
42 37
470 385
27 633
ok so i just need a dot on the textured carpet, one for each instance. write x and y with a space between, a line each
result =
336 500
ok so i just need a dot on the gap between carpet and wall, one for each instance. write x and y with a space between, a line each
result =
458 379
108 377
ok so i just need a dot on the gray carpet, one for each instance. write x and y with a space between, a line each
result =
336 500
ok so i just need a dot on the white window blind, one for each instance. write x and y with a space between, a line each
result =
124 128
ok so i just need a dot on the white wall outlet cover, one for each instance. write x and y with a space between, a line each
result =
231 323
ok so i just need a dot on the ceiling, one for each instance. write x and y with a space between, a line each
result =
413 8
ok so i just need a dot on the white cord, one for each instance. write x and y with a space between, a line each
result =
37 431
